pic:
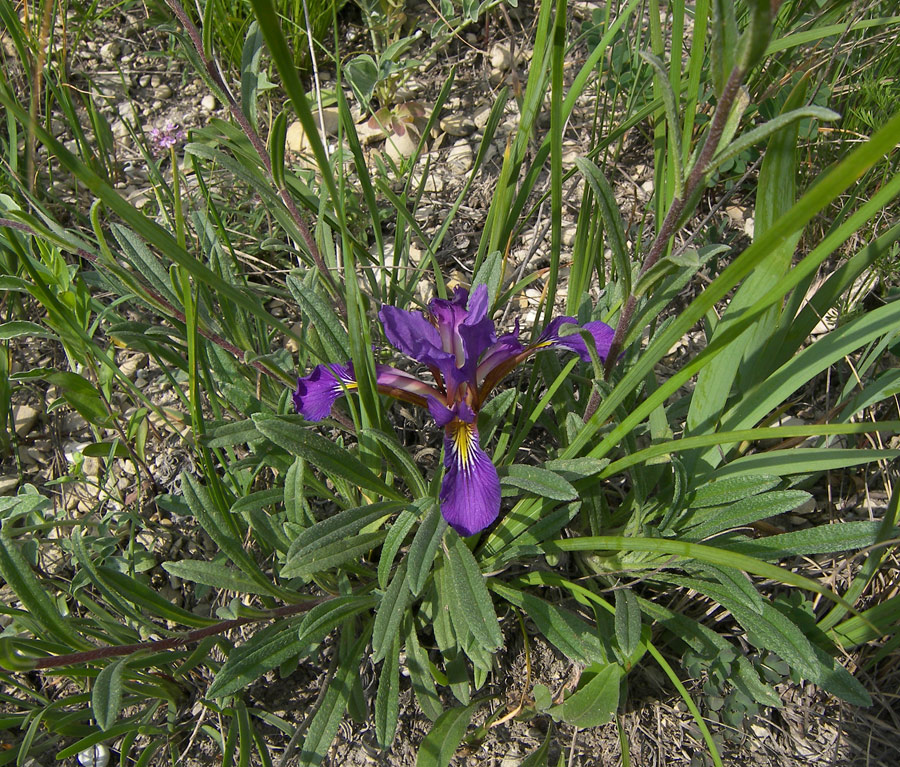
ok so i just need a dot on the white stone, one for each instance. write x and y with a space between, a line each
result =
481 116
128 111
295 138
91 466
736 214
163 92
32 457
501 56
130 366
434 183
95 756
70 423
401 146
8 484
460 158
369 131
208 102
330 118
290 344
570 153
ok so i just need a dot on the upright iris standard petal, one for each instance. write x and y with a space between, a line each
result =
601 332
466 331
416 337
317 392
470 492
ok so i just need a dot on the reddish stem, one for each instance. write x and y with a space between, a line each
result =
258 144
676 210
176 313
88 656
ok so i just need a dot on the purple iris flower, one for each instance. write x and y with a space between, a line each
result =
456 340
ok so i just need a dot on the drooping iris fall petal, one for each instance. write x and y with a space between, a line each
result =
318 391
470 491
601 332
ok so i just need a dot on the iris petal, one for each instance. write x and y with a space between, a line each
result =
470 492
317 392
602 333
413 335
506 349
465 330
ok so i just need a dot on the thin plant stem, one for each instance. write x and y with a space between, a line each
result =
223 343
237 113
157 645
670 222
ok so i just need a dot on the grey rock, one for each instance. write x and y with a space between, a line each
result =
91 466
134 363
481 116
110 52
25 417
8 484
128 111
501 56
458 125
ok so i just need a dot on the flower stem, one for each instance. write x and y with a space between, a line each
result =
223 343
674 214
237 113
88 656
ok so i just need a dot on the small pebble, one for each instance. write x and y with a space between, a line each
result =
461 158
95 756
110 52
458 125
25 417
8 484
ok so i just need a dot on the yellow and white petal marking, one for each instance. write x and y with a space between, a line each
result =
464 439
